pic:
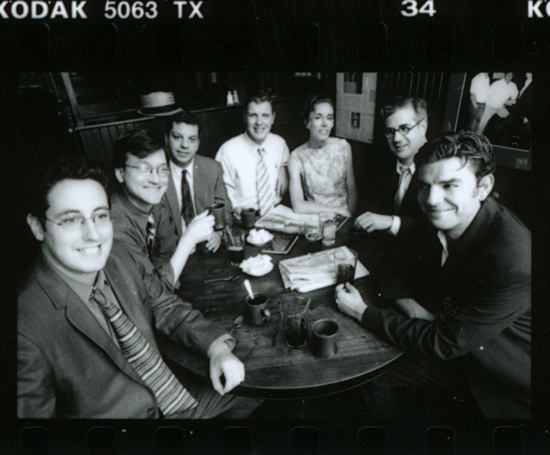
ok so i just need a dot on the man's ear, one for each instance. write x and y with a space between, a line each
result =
119 174
485 186
36 227
274 113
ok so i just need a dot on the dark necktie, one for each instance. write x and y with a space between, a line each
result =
151 232
171 396
187 210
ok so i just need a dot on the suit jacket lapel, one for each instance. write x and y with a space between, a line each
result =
172 200
79 316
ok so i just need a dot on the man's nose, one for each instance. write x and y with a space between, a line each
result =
153 176
90 229
184 143
434 196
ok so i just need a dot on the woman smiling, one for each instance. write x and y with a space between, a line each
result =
321 170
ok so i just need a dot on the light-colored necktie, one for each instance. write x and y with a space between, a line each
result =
171 396
265 194
404 181
151 232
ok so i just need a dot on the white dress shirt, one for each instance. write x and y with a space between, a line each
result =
238 157
396 220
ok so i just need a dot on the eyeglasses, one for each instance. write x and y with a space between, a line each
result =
145 169
100 219
403 129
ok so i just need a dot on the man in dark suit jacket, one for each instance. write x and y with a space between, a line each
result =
204 175
466 318
392 206
70 363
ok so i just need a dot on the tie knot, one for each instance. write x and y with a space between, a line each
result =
98 296
404 169
261 151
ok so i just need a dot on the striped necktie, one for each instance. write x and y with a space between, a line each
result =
404 182
265 194
151 232
171 396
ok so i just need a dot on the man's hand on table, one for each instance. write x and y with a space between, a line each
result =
349 301
413 309
222 361
371 222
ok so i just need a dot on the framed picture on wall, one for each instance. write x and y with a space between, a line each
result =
498 105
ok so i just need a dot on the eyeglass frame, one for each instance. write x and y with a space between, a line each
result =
393 130
151 169
83 220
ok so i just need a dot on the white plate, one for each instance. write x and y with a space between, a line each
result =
260 271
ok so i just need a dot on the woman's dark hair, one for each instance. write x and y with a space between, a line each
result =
312 102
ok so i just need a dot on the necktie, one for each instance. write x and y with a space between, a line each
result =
265 194
404 181
151 232
187 210
171 396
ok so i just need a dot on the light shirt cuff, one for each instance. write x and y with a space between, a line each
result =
395 225
218 343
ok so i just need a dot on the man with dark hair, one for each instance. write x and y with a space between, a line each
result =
196 181
143 174
392 206
466 319
87 312
255 162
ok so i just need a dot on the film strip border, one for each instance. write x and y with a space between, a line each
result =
275 439
439 34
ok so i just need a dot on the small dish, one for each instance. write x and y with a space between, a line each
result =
259 237
257 266
260 271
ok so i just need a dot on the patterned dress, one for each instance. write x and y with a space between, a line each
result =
323 171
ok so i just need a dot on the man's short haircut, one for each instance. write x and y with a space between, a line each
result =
470 147
49 172
312 102
182 117
418 104
139 143
263 96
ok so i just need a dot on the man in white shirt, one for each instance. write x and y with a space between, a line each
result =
244 156
502 93
203 184
479 92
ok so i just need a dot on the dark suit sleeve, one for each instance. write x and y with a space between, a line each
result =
499 298
172 316
220 194
35 384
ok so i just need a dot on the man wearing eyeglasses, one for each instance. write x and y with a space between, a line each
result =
392 205
87 313
143 175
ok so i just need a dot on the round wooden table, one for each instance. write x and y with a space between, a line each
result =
273 370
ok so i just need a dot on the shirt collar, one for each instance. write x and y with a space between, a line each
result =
252 144
177 170
399 166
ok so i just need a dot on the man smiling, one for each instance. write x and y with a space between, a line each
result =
142 173
87 312
255 163
392 206
466 318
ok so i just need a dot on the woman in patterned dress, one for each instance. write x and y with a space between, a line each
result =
321 170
